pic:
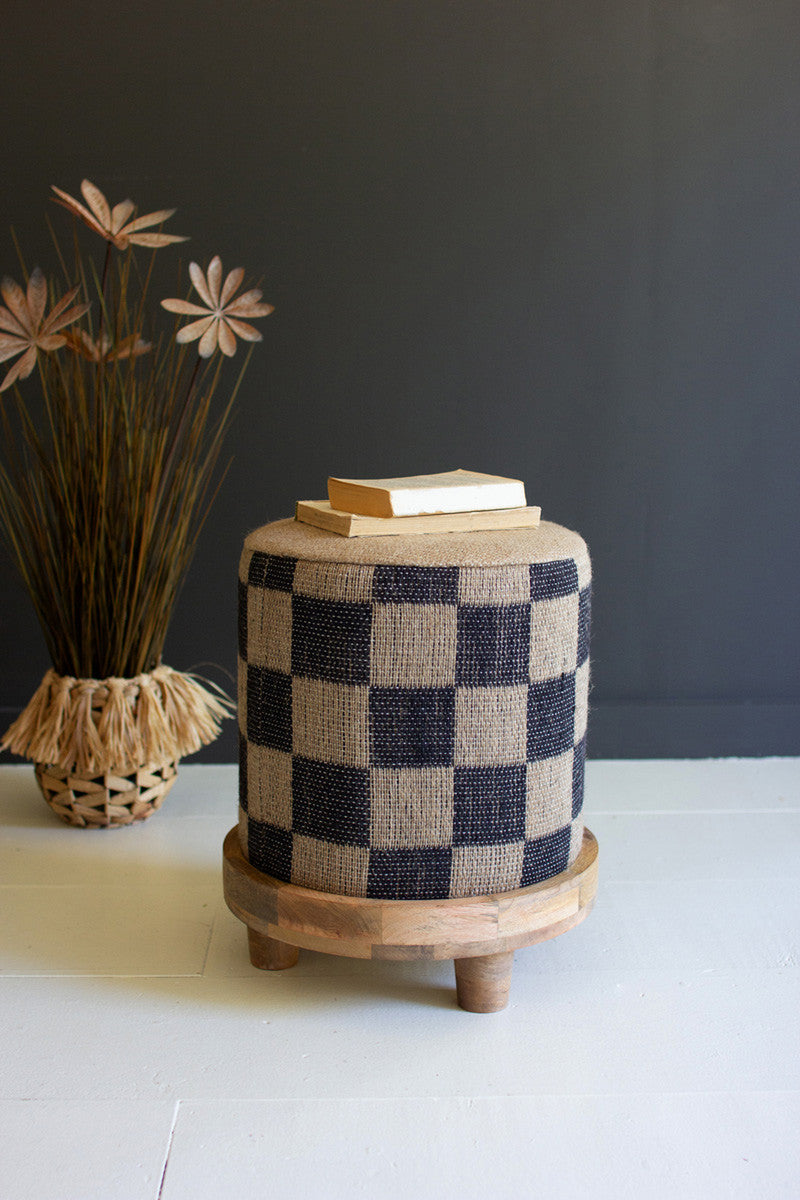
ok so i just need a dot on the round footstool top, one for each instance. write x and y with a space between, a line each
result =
412 710
545 542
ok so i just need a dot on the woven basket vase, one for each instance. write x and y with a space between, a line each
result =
121 794
107 799
412 710
105 751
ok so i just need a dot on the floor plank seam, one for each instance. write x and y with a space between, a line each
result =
170 1140
91 975
481 1097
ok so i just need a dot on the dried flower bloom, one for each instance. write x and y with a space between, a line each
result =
113 223
219 324
26 327
102 349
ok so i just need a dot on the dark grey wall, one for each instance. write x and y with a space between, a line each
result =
558 241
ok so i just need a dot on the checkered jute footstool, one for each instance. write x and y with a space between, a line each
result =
412 716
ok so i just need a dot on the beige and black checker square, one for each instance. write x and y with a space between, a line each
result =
479 870
581 701
548 795
269 629
554 637
329 867
342 582
330 722
575 840
411 806
269 785
488 585
491 726
414 645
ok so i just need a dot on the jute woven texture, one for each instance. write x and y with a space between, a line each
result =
102 801
412 711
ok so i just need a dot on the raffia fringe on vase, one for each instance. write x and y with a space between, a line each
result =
106 750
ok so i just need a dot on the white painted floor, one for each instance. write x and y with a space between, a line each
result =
652 1052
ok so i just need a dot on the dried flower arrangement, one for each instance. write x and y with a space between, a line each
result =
105 484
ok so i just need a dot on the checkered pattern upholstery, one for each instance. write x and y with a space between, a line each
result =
408 731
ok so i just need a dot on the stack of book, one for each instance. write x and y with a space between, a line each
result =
450 502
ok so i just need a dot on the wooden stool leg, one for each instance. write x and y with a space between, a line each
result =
482 984
268 954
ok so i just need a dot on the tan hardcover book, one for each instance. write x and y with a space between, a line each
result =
418 495
320 513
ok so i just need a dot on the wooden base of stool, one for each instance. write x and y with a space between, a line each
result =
479 932
483 984
269 955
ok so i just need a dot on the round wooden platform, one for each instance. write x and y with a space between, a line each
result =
480 933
